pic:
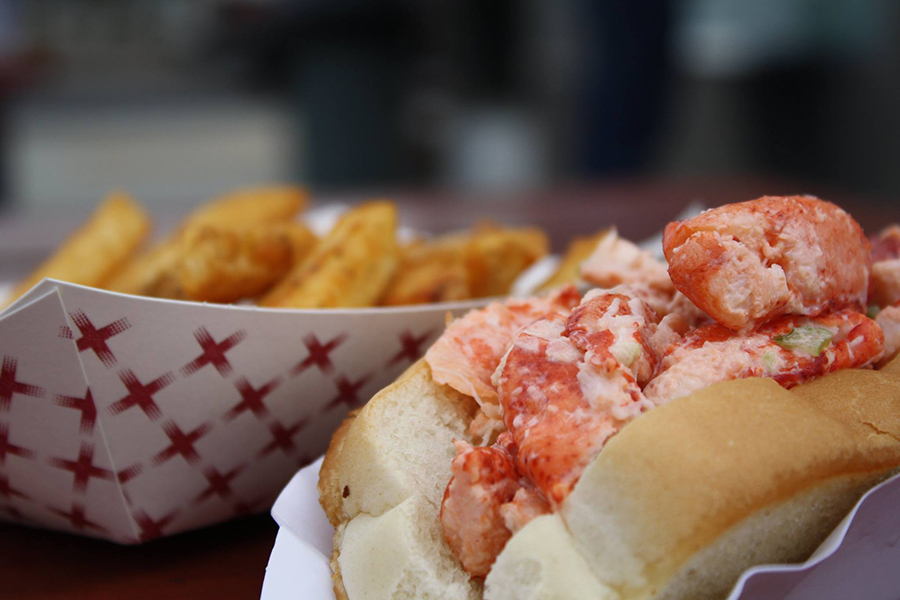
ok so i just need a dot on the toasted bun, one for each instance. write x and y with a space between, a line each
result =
677 505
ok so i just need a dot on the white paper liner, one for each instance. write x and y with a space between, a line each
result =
860 559
299 563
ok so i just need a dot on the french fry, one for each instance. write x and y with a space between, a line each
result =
462 265
214 264
569 269
141 274
152 273
431 271
245 245
498 255
97 250
350 267
249 206
226 265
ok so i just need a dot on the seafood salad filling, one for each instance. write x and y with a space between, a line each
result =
884 286
775 287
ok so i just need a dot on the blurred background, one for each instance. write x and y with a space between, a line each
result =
178 100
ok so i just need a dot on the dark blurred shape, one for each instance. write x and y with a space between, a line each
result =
341 67
800 88
178 100
347 76
624 91
18 65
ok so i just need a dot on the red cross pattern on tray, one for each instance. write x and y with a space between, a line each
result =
126 475
251 399
182 443
84 404
348 391
150 528
7 447
7 491
219 483
9 385
411 347
129 473
213 352
140 394
83 468
95 339
318 354
76 517
282 438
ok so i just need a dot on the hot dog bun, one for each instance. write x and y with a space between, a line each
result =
677 505
381 485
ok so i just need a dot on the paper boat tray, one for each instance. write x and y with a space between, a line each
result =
858 560
130 418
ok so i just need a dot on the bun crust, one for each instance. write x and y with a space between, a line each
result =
677 505
734 466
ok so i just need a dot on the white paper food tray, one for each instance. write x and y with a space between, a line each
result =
128 418
858 560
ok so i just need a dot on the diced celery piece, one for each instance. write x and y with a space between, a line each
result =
806 338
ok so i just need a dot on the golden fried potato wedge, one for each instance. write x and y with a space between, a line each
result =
96 251
153 273
227 265
214 264
140 275
431 271
569 269
498 255
249 206
350 267
462 265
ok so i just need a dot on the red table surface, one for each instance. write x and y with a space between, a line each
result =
229 560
